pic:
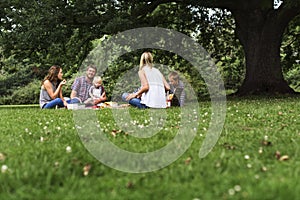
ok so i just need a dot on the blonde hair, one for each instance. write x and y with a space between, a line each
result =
97 79
146 59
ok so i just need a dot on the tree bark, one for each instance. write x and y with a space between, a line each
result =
260 32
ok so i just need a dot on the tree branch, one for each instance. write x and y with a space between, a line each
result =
150 6
288 10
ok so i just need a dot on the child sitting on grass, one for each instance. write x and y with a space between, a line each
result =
96 92
177 89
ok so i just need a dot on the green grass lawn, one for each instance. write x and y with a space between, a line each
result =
257 156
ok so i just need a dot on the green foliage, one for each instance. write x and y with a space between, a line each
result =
217 36
36 35
11 82
293 77
28 94
290 51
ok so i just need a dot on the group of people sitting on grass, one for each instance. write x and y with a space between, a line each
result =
89 89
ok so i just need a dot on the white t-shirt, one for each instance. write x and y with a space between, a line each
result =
155 97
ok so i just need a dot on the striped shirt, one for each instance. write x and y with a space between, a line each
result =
182 95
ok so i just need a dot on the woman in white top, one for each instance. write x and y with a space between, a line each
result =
152 93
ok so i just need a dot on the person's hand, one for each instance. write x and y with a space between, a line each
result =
95 101
65 104
98 100
131 96
63 82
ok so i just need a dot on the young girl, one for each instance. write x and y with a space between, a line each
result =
51 89
96 92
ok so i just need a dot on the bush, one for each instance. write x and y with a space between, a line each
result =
293 77
28 94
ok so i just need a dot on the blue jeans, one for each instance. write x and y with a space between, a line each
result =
73 101
136 102
54 103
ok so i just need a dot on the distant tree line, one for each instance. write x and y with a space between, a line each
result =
255 44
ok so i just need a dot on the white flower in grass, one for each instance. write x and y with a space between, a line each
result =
237 188
56 164
58 128
26 130
78 127
2 157
45 127
68 149
247 157
4 168
231 191
266 137
42 139
141 126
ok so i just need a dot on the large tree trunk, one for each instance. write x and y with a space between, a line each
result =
261 34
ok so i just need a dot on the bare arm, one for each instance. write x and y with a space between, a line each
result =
73 94
166 84
48 86
101 99
144 88
90 92
62 97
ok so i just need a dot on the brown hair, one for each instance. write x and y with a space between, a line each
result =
174 75
93 67
52 74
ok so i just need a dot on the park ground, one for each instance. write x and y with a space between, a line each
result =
255 157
